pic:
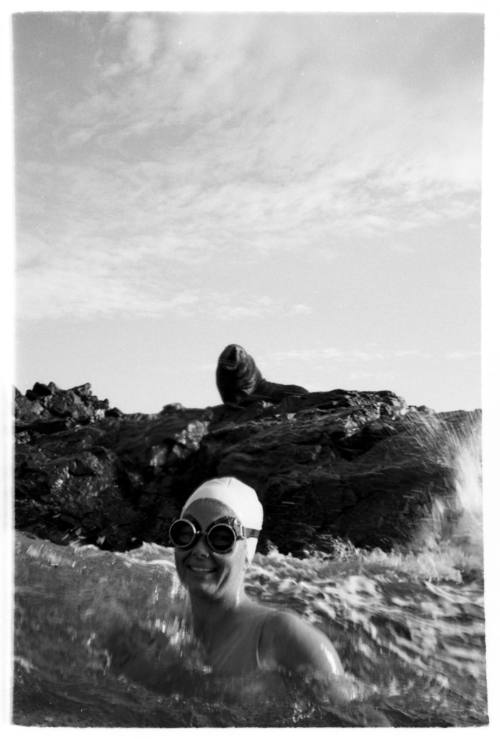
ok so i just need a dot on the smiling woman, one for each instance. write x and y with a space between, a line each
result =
215 539
212 552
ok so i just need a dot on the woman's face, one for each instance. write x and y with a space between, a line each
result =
202 571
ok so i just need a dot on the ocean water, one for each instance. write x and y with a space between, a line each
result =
409 628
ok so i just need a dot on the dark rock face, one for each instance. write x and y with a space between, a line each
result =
341 464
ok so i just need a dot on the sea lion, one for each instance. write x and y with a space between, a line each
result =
238 378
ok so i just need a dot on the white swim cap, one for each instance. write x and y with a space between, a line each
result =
241 498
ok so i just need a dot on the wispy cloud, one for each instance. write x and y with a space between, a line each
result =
300 309
86 284
142 40
337 354
459 356
183 135
373 365
89 286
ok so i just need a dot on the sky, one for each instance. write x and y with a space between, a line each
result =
306 185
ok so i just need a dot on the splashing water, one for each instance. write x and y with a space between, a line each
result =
408 625
458 522
468 484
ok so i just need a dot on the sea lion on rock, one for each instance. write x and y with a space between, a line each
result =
238 378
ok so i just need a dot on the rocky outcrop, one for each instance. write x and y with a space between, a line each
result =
48 409
361 466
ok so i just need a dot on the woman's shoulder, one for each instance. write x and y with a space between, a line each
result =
286 626
273 621
290 641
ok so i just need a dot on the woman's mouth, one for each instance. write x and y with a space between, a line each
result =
199 569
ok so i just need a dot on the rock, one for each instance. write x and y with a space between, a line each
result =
358 466
85 391
40 390
172 407
113 413
43 407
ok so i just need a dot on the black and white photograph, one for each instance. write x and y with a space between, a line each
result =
247 422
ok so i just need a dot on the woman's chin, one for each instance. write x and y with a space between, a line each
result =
201 580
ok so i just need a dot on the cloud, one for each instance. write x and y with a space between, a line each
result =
142 40
89 278
414 353
282 99
186 136
301 309
230 307
315 355
86 284
460 356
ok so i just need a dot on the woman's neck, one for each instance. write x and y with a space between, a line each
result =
209 615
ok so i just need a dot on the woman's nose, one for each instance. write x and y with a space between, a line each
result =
201 547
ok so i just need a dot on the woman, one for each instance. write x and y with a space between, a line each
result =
215 540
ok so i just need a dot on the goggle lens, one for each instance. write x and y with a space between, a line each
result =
221 538
182 534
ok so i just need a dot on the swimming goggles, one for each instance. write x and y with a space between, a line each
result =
220 536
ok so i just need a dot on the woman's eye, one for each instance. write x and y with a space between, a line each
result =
222 538
182 534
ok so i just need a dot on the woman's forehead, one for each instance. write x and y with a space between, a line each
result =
206 510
